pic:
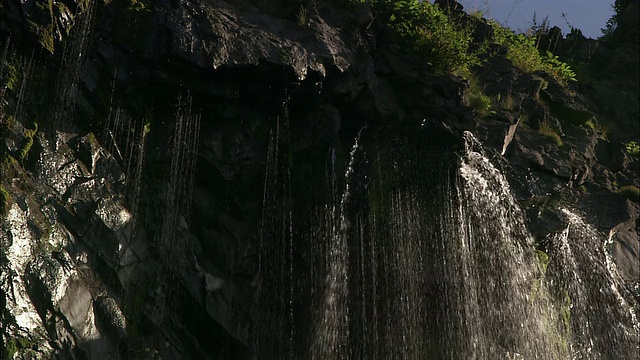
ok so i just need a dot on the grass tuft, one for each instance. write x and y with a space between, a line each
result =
631 192
550 134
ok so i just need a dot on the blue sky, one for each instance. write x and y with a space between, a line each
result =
587 15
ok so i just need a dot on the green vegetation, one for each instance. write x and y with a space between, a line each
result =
147 128
633 148
560 70
476 99
543 260
543 263
45 37
583 73
13 79
613 22
5 200
591 124
14 345
631 192
28 141
301 16
6 122
507 103
480 102
523 52
440 42
43 26
550 134
138 6
521 49
604 128
443 42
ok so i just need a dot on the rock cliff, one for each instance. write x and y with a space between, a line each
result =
148 147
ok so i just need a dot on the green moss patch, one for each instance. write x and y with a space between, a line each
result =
543 260
5 200
15 345
28 142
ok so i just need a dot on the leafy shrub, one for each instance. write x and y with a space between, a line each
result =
442 43
560 70
524 54
522 49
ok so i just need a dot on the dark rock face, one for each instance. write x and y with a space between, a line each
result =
136 215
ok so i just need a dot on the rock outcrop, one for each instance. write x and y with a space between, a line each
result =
137 137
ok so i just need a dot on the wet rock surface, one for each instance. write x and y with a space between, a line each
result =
88 270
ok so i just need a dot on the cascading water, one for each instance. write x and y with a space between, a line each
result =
421 255
274 299
126 139
602 323
333 330
73 59
26 79
171 241
496 272
185 141
424 275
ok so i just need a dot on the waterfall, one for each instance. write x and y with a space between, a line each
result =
136 163
602 322
274 312
333 328
126 138
421 251
26 79
496 271
263 320
179 191
72 67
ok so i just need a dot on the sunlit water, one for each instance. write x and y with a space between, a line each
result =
417 256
